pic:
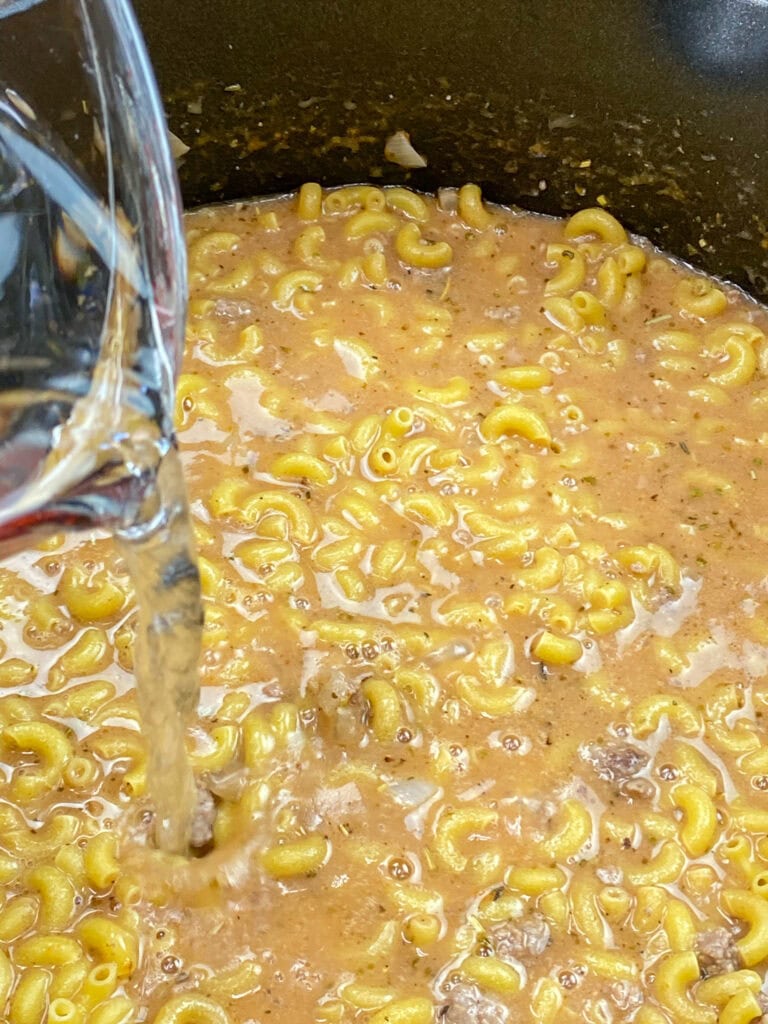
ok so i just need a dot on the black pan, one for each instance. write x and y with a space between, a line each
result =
660 108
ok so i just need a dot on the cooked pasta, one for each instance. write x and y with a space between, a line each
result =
477 497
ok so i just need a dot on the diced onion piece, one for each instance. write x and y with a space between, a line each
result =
448 199
412 792
178 148
398 150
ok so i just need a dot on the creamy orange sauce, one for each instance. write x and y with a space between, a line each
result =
461 622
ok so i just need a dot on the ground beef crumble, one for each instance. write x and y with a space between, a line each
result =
614 761
201 833
335 804
465 1004
517 940
717 952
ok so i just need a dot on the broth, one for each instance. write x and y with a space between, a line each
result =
477 500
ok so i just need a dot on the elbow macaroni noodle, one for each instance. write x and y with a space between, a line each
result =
479 498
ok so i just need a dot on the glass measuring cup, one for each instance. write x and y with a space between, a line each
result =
92 268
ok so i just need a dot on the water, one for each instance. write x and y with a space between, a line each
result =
160 558
142 497
90 321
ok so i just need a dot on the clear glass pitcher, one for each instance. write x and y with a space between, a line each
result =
92 268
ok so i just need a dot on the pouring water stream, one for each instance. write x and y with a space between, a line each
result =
92 280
